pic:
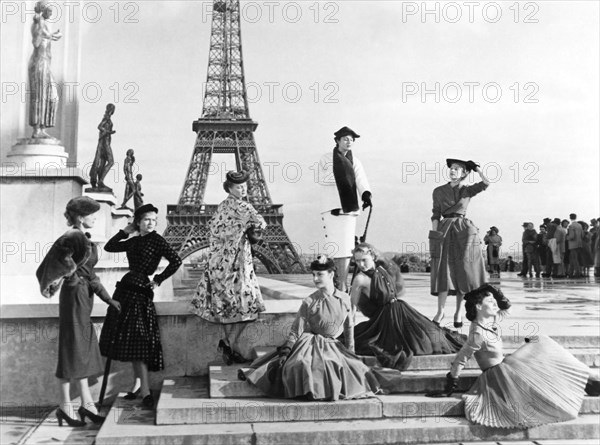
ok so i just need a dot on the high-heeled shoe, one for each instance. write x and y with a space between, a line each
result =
61 415
437 322
226 352
241 375
132 395
148 401
237 357
84 412
458 324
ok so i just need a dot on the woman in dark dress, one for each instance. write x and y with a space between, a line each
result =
395 331
71 262
133 335
539 383
457 265
312 363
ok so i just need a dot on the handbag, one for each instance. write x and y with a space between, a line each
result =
254 234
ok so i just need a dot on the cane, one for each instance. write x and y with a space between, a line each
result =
104 380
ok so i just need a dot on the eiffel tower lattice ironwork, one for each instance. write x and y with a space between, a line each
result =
226 128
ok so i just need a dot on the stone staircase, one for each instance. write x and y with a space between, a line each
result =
220 409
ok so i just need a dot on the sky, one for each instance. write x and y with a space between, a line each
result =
511 85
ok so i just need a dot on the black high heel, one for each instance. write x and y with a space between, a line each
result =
132 395
241 375
148 401
225 351
61 415
84 412
237 357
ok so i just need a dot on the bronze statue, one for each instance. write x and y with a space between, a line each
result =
128 171
137 194
103 160
43 99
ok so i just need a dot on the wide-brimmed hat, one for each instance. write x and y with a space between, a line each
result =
451 161
144 209
83 205
322 263
345 131
237 177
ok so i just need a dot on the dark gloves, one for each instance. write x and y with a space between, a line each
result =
502 302
451 385
366 199
472 165
283 355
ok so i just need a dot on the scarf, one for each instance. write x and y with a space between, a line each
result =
343 171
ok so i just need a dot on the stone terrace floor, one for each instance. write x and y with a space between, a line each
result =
567 307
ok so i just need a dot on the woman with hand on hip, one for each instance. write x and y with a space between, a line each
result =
71 262
539 383
457 265
133 335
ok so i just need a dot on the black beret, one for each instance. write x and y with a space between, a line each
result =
237 177
345 131
83 205
144 209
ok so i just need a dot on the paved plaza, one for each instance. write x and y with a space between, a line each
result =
558 308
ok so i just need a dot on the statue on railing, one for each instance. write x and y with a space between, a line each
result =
128 172
43 100
103 161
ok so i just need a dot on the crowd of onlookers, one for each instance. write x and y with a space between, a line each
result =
561 248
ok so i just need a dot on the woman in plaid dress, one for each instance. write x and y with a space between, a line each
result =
133 335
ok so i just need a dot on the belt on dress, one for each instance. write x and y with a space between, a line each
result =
146 291
453 215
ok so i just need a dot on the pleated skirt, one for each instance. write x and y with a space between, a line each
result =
538 384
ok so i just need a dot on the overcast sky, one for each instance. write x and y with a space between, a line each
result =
513 86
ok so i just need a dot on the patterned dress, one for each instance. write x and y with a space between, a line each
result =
72 258
318 367
229 292
455 248
133 334
394 327
541 382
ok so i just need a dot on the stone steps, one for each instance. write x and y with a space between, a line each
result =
128 424
588 356
186 400
224 382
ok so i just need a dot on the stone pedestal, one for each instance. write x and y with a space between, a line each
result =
32 218
37 154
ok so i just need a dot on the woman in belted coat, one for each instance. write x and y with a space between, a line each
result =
457 265
70 263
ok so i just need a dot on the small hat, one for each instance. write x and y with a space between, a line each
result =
144 209
547 220
556 221
322 263
83 205
237 177
451 161
345 131
495 229
525 224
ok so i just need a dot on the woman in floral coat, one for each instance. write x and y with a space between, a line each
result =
228 291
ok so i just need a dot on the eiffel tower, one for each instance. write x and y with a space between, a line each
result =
226 128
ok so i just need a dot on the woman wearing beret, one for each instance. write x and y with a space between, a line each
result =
133 335
539 383
457 265
312 363
395 331
493 241
229 292
71 262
